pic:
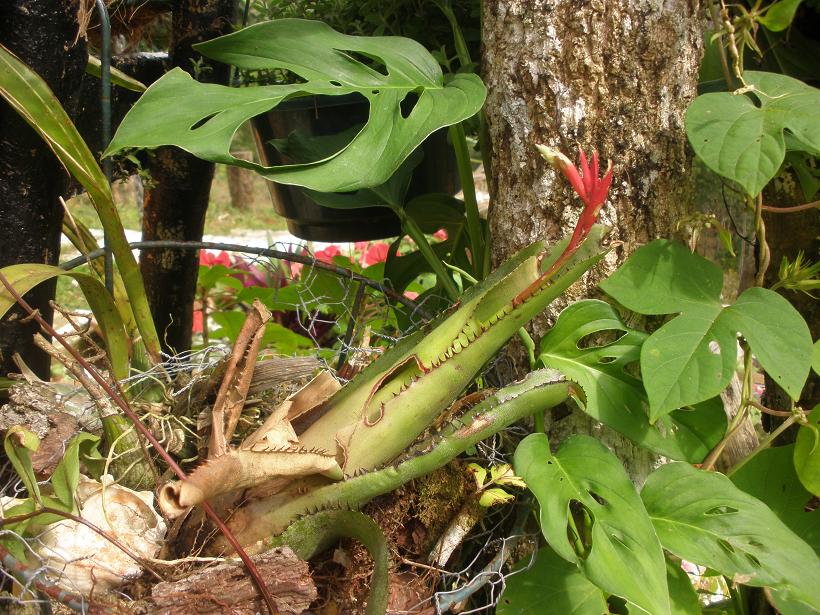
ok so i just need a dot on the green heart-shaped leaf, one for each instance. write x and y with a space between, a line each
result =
703 518
692 357
743 139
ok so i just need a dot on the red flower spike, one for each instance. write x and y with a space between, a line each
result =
593 191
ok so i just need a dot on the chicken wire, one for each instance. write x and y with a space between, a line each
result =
362 315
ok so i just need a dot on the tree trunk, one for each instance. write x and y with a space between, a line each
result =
42 33
240 183
175 208
616 76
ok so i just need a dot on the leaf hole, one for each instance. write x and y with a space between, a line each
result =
722 510
599 339
607 360
408 103
335 83
203 121
598 498
374 63
754 561
714 347
726 545
579 528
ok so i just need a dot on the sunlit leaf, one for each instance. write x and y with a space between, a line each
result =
692 357
703 518
584 479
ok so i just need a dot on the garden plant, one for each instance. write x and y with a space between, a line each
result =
649 356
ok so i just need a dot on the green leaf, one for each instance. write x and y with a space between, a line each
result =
402 270
19 443
435 211
682 595
622 553
770 476
66 475
703 518
551 586
779 15
26 276
692 357
31 97
202 118
618 399
815 357
119 78
742 139
807 452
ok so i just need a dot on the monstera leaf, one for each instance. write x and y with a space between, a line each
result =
589 504
615 397
703 518
203 118
692 357
744 139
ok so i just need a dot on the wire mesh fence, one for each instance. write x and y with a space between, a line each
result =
338 308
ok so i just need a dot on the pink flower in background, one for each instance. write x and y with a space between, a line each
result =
411 295
209 259
377 253
440 234
326 255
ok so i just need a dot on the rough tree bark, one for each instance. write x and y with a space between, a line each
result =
175 208
616 76
42 33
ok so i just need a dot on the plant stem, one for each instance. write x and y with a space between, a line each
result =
465 172
411 228
765 443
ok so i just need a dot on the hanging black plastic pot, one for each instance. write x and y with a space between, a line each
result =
316 117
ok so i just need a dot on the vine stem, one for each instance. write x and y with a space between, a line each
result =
411 228
793 209
119 400
766 443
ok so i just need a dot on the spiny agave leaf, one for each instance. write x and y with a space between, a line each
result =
203 118
692 357
622 553
26 276
618 399
703 518
744 141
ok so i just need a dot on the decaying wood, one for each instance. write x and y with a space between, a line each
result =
227 588
234 390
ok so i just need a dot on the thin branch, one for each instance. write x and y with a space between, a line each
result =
267 252
119 400
793 209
